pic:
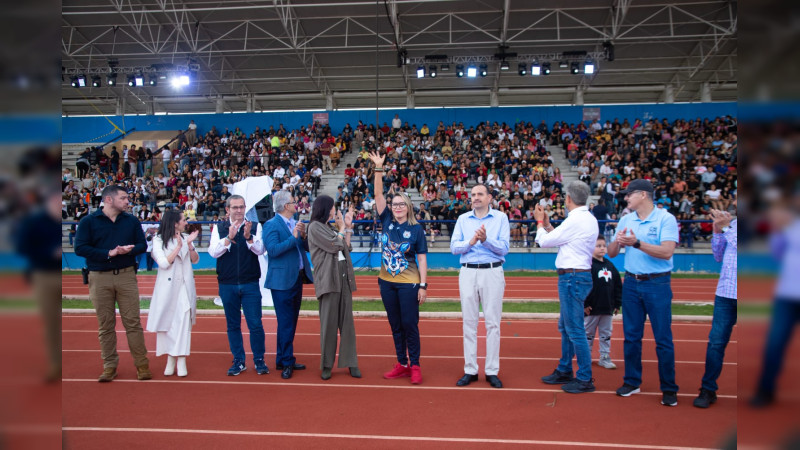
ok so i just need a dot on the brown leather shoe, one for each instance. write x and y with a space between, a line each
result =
143 372
109 373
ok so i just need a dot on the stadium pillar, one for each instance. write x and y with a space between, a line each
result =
494 99
121 106
220 104
410 101
669 94
251 102
329 101
705 93
579 97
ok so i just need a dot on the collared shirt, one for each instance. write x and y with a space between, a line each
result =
723 245
97 235
785 247
217 247
658 227
575 238
291 223
498 235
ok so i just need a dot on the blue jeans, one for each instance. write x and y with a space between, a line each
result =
287 310
572 291
641 299
721 327
402 310
785 315
235 299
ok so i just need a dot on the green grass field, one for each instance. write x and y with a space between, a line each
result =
376 305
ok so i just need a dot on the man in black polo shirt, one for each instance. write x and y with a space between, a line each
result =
110 239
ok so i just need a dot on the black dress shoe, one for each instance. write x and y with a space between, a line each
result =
494 381
287 373
295 367
466 379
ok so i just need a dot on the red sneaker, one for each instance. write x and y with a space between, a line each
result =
416 375
399 371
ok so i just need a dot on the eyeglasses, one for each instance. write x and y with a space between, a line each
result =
398 205
236 207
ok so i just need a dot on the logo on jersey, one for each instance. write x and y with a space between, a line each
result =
604 273
393 255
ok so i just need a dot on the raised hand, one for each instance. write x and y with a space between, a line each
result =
193 236
721 219
538 213
339 220
348 218
234 228
247 227
377 159
628 239
480 233
300 229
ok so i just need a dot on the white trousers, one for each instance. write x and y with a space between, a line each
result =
481 287
178 339
604 325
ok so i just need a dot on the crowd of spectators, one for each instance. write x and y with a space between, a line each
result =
692 164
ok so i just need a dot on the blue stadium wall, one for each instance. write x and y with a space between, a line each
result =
685 262
89 129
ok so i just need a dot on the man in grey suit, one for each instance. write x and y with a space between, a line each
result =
286 245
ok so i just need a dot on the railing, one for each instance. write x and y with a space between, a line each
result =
367 232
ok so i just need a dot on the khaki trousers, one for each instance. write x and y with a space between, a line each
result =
105 291
47 290
336 318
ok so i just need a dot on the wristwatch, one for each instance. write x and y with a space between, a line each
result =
637 244
423 286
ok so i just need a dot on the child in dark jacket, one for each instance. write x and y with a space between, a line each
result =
603 302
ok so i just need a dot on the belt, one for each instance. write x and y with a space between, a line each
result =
563 271
115 271
646 276
482 266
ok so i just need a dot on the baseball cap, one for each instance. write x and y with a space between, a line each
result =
639 185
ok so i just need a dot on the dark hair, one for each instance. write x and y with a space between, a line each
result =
112 190
600 237
485 186
321 209
166 229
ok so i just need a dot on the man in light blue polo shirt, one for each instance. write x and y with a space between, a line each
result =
649 235
481 237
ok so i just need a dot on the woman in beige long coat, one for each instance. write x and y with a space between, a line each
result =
334 283
173 308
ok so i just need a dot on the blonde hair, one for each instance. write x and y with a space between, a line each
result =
412 220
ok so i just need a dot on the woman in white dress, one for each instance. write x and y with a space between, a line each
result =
173 307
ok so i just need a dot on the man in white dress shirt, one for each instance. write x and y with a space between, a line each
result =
575 239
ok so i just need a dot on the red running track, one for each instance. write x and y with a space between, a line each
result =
211 410
444 287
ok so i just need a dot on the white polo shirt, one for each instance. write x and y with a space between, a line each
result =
575 238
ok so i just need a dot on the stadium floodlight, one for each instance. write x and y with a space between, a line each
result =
180 80
421 72
563 64
546 68
504 65
153 80
139 79
472 71
459 71
96 81
588 67
522 68
484 70
574 68
445 67
536 69
131 81
432 71
73 81
81 80
111 79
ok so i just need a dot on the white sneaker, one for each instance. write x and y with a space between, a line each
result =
605 362
217 301
182 372
170 369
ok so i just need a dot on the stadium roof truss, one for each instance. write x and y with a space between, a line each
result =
264 55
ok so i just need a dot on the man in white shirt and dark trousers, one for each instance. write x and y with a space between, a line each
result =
650 236
575 239
481 237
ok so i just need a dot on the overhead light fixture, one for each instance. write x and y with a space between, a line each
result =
131 81
111 79
432 71
484 70
73 81
445 67
153 80
139 79
81 80
180 80
536 69
574 68
459 71
96 81
522 68
563 64
421 72
588 67
504 65
472 71
546 68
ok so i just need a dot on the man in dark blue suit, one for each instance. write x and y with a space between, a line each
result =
286 244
